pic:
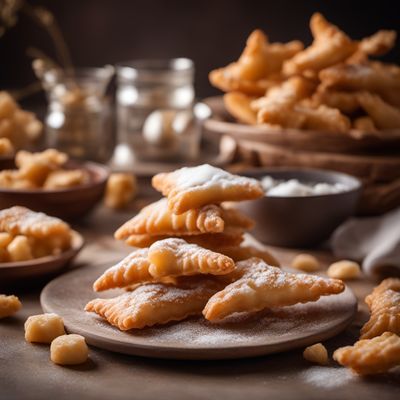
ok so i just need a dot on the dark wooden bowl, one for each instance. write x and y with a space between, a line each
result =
301 221
353 141
69 204
42 266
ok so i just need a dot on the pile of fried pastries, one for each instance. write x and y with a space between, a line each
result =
42 170
20 127
332 85
25 235
191 259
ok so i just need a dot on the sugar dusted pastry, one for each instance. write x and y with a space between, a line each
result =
176 257
121 189
371 356
26 234
9 305
384 304
194 187
240 253
158 219
330 46
317 354
64 179
305 262
239 106
43 328
134 268
344 269
155 303
262 286
69 350
12 179
230 237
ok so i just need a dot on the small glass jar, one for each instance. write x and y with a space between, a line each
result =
79 118
154 97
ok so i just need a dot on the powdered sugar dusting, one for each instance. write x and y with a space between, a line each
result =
327 377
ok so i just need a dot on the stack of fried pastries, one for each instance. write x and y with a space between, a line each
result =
331 85
192 260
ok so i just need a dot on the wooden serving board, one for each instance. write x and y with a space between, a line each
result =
246 336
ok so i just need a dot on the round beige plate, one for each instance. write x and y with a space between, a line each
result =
269 332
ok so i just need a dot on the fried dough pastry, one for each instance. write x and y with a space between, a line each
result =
330 46
378 44
64 179
302 117
175 257
239 106
287 93
158 219
240 253
258 67
384 304
371 356
19 220
194 187
230 237
365 124
262 286
155 303
134 268
37 166
346 102
382 114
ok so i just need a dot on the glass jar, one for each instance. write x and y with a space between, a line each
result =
154 110
79 118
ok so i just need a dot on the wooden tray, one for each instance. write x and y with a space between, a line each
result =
352 142
264 333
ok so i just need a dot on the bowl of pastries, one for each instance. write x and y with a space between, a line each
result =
33 243
330 105
48 181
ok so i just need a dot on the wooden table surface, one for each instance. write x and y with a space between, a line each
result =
26 371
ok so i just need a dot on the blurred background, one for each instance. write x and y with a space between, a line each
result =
210 32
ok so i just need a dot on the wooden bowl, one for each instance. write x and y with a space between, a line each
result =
301 221
12 271
69 204
222 123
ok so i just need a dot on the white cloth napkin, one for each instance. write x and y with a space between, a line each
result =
373 241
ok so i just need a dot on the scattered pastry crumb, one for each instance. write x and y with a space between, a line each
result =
9 305
306 262
69 350
344 270
121 189
316 353
43 328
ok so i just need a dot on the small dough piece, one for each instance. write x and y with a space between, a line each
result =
158 219
121 190
65 179
384 304
317 354
134 268
19 249
306 262
156 303
364 124
9 305
378 44
371 356
69 350
330 46
6 147
346 102
239 106
43 328
263 286
344 270
175 257
194 187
